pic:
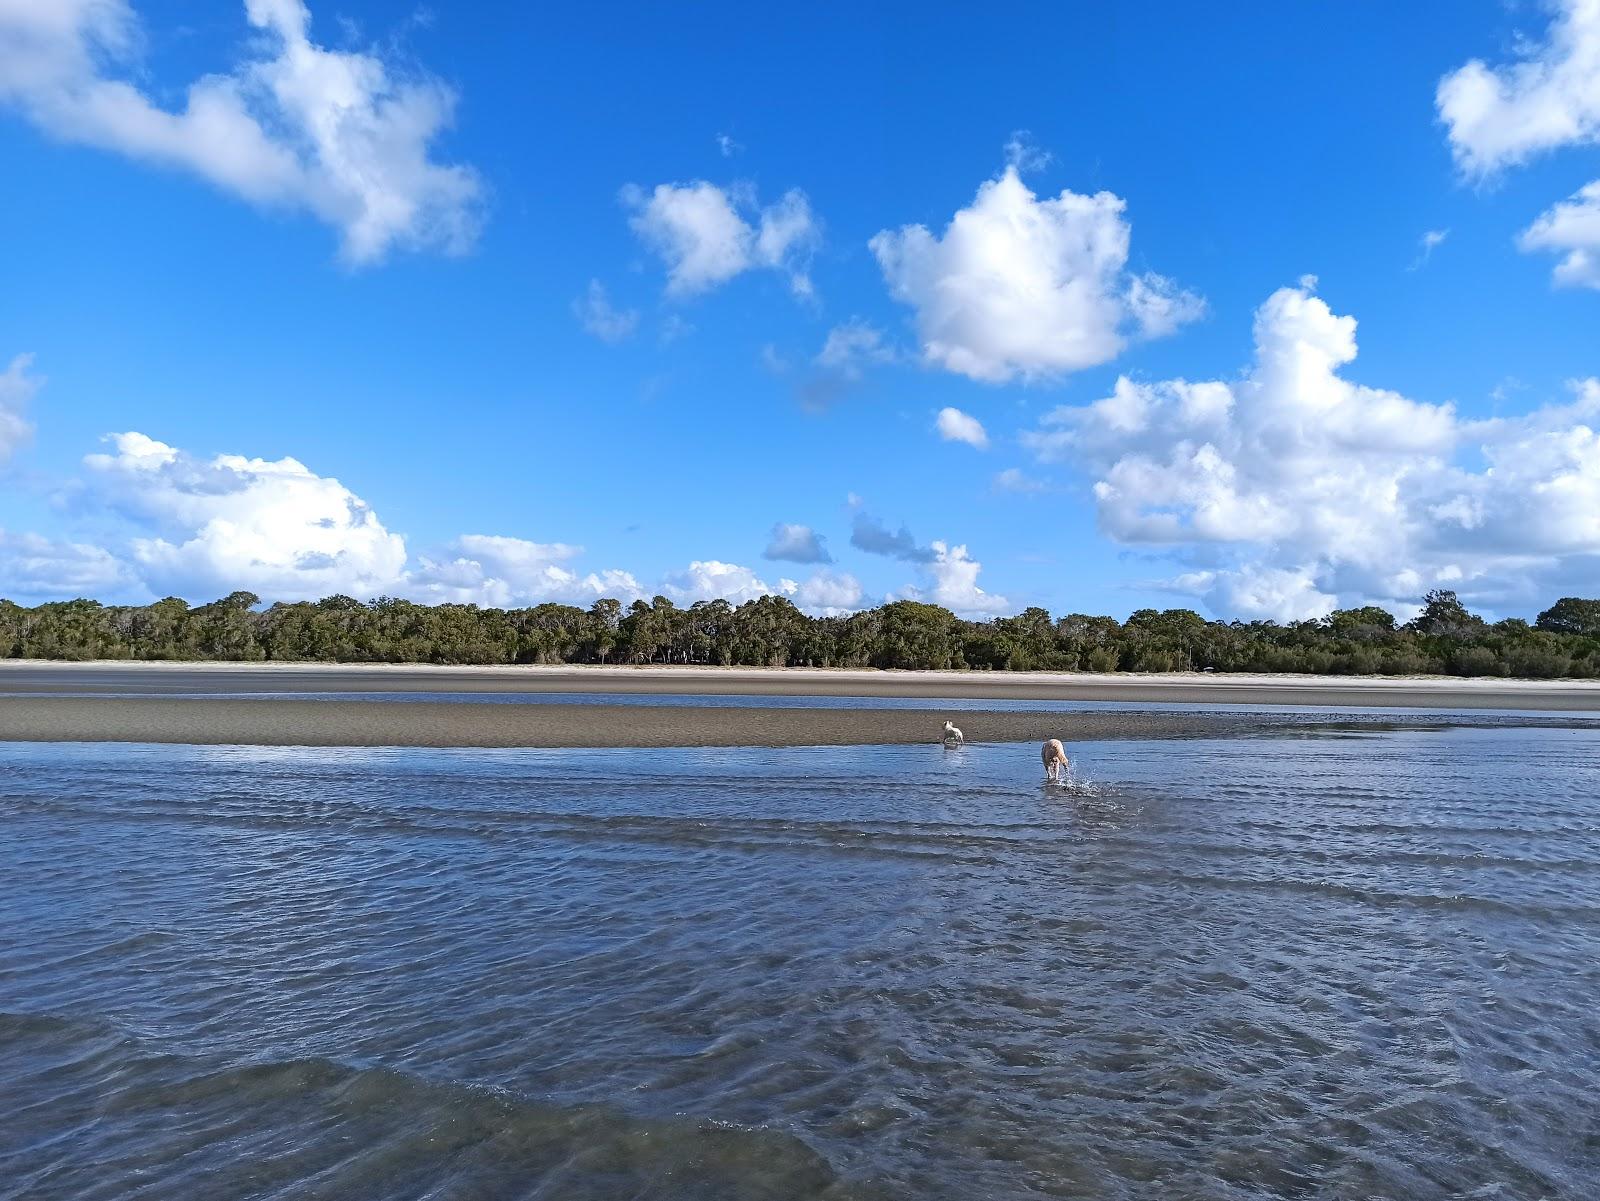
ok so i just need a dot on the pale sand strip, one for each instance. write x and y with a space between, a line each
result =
191 703
1194 688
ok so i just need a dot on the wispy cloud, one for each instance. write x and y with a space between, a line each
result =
600 317
1427 244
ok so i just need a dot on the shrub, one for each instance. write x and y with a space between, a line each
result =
1476 661
1537 663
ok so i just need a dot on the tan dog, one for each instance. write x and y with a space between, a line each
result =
1056 763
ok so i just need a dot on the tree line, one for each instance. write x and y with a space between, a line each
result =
1444 639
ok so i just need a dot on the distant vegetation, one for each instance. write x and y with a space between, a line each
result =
1444 639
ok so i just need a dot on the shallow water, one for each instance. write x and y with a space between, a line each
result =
1323 966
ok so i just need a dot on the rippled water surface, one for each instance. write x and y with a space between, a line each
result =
1359 966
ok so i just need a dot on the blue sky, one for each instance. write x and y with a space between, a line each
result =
513 282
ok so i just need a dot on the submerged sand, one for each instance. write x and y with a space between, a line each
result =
270 705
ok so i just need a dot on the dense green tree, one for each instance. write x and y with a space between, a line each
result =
1026 642
1444 616
913 634
226 629
601 633
1366 624
765 631
770 631
1572 615
161 630
13 628
648 630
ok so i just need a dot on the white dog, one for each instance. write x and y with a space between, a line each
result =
1056 763
952 736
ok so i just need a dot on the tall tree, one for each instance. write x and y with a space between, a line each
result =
1572 615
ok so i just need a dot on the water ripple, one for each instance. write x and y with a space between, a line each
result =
1309 967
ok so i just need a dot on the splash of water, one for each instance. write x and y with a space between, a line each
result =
1074 785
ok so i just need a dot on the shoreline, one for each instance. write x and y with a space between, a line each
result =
48 678
287 705
292 721
288 721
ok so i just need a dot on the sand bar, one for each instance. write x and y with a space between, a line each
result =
1338 692
298 721
277 705
288 721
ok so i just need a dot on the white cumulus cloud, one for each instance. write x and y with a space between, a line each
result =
949 574
1315 487
711 579
952 581
1258 593
1023 286
169 522
1501 116
1498 117
339 134
956 426
501 572
205 527
1572 230
824 594
702 234
270 526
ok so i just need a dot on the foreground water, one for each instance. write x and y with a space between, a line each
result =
1354 966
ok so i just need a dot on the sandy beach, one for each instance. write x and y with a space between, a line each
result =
33 677
278 705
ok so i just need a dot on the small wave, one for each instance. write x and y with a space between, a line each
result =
924 971
320 1128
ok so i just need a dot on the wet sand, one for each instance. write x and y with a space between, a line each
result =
290 722
202 703
1425 692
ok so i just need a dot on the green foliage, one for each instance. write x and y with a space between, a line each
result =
770 632
1572 615
1366 624
912 634
1443 615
